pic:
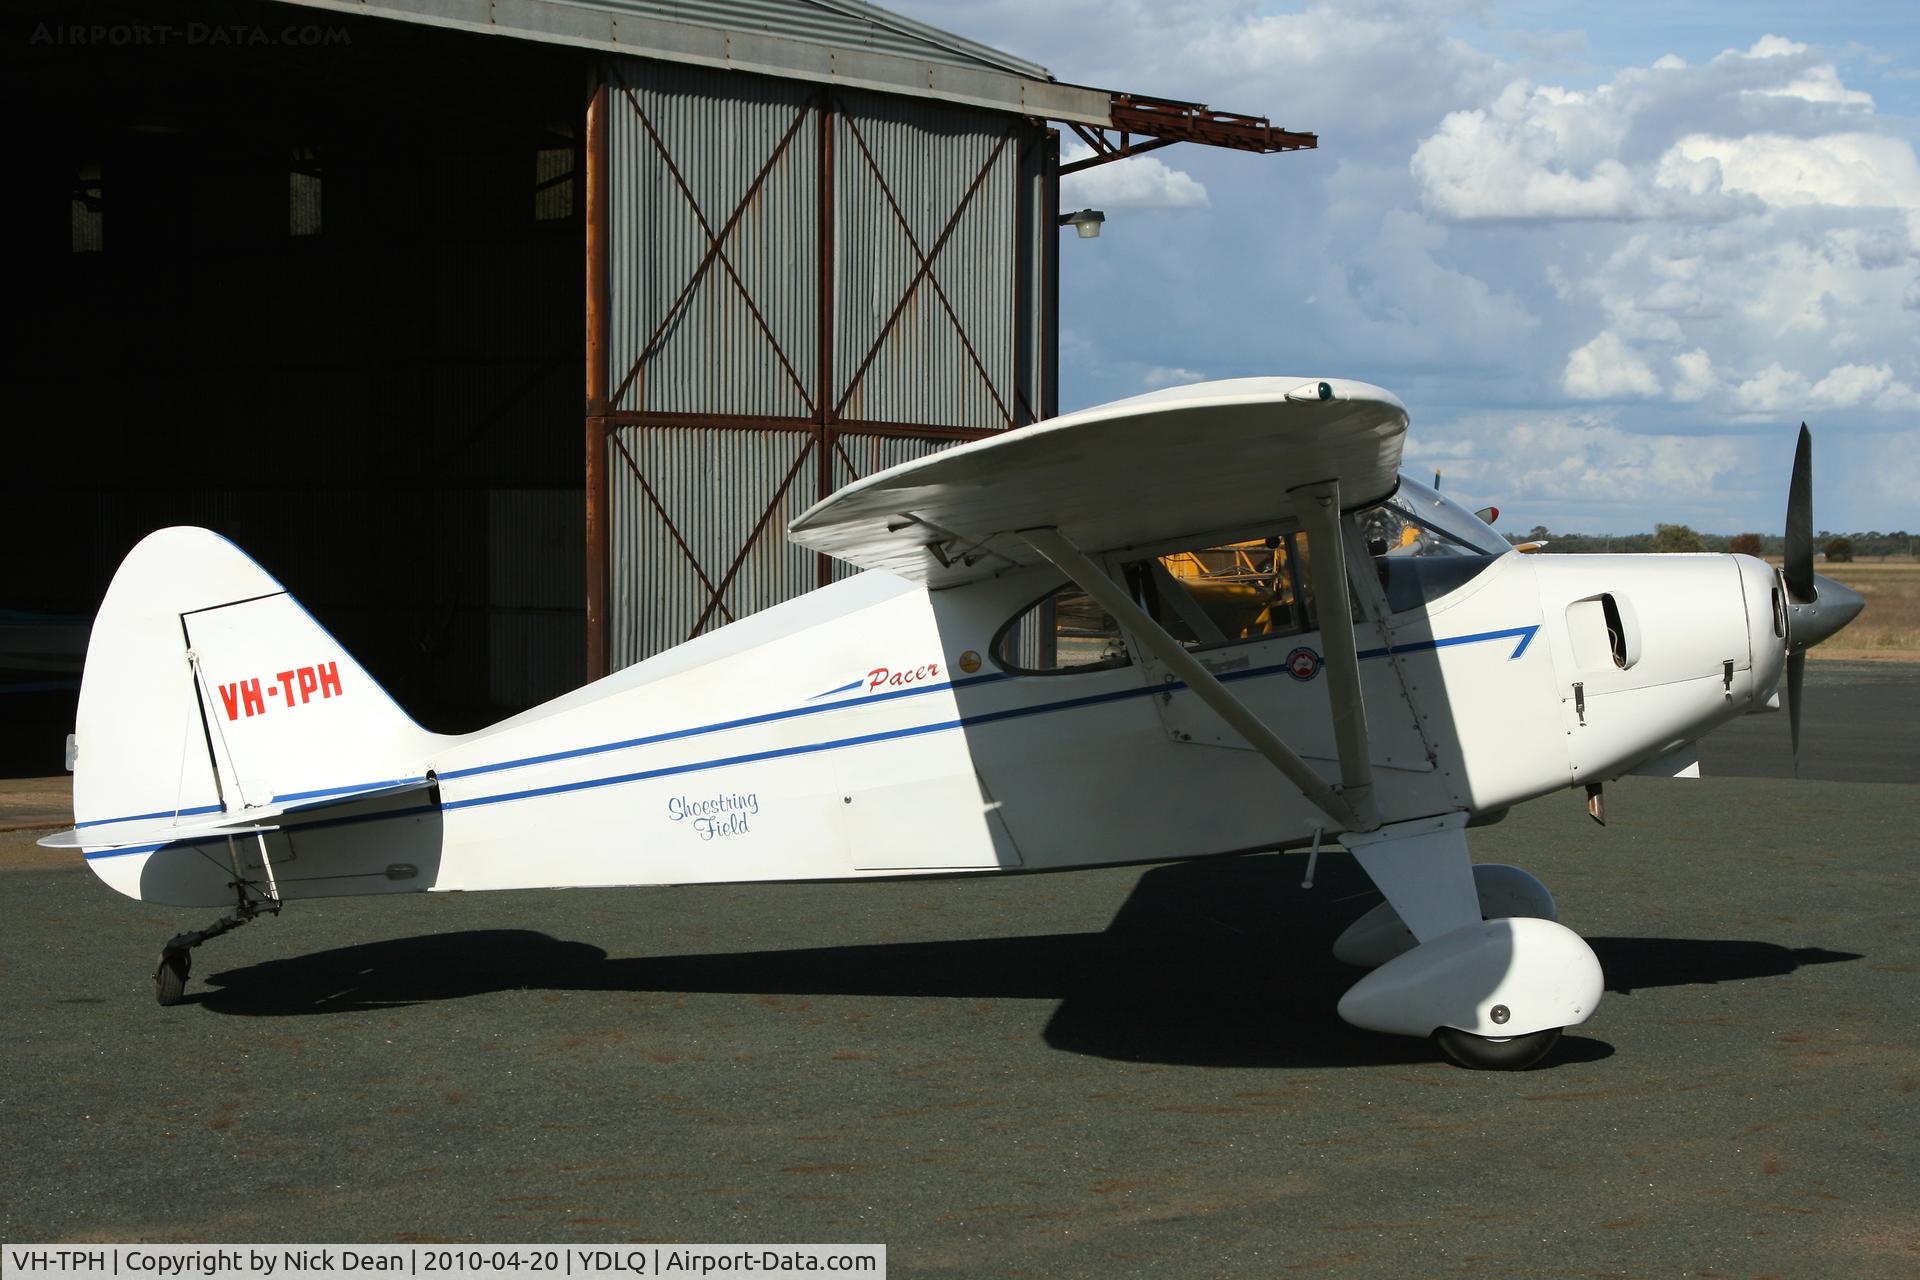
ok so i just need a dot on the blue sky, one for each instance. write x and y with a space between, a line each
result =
1610 256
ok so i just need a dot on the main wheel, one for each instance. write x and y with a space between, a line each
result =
170 979
1484 1053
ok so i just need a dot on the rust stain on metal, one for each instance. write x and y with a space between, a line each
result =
1162 122
598 497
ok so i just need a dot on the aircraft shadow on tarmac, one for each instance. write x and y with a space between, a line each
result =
1222 962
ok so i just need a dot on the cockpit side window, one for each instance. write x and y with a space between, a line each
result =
1204 597
1231 594
1064 631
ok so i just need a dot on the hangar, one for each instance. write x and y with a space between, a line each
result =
509 334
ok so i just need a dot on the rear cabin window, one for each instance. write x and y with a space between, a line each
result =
1205 598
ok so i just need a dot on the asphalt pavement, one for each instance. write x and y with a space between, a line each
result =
1123 1072
1861 723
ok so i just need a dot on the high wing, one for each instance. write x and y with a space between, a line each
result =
1190 459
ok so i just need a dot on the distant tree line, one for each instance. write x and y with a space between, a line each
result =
1836 547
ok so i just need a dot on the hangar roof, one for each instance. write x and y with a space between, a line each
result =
844 42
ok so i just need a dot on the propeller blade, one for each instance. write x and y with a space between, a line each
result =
1798 569
1796 676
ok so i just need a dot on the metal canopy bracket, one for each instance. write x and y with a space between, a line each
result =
1146 124
1090 578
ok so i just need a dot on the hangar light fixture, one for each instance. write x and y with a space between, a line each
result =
1085 221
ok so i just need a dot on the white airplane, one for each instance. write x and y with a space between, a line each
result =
1210 620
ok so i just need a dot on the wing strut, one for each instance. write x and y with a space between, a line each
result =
1090 578
1319 511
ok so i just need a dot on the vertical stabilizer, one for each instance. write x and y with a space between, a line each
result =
208 688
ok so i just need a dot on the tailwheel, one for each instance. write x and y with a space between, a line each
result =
1490 1053
176 958
170 979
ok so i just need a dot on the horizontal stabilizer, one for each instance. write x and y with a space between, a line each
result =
162 829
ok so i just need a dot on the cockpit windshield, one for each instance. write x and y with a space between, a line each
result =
1425 544
1421 521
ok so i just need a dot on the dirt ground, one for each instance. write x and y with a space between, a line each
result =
1888 629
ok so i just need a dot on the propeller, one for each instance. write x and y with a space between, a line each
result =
1799 549
1817 606
1797 573
1796 677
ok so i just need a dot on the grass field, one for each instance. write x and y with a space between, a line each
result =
1889 627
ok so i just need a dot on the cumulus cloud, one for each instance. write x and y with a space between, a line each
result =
1372 72
1421 447
1854 385
1140 182
1777 389
1716 241
1817 83
1764 266
1843 170
1551 154
1693 376
1170 376
1558 460
1605 369
1774 389
1624 151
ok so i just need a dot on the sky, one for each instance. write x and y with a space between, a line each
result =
1609 256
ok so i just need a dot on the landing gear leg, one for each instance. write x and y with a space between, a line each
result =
176 958
1493 993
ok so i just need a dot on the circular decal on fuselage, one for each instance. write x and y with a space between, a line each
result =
969 662
1303 663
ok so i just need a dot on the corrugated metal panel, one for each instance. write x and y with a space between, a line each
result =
533 548
714 486
534 657
927 158
869 454
536 579
706 353
718 130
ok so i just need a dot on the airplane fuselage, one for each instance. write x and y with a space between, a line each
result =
867 730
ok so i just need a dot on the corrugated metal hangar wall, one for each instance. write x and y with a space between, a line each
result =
806 285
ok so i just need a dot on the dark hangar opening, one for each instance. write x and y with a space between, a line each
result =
314 282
